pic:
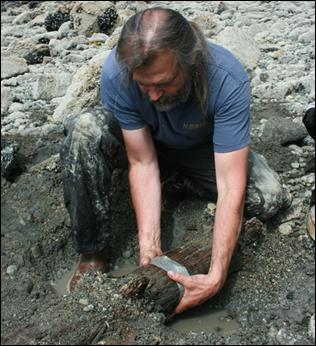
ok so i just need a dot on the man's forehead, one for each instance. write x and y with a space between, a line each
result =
160 70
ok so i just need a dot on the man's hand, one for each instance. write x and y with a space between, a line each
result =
197 289
147 254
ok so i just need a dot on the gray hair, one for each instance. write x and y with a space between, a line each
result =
151 30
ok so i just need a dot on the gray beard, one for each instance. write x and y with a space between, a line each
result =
168 102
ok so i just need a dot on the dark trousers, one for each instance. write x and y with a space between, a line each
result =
93 148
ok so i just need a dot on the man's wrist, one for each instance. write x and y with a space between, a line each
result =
218 273
149 241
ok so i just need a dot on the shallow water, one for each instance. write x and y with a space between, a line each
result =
204 319
60 285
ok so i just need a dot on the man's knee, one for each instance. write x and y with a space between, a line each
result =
95 129
85 125
265 193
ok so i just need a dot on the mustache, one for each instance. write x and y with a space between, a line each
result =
169 101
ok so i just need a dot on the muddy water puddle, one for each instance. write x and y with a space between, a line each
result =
200 319
122 269
60 285
205 319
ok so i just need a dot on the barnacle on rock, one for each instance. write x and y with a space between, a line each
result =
107 20
54 21
37 55
33 4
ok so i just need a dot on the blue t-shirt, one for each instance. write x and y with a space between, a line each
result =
226 125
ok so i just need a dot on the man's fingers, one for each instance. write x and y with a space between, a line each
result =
145 261
147 255
182 279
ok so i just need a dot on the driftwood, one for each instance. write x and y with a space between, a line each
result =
154 283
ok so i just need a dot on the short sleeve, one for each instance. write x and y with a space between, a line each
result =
232 119
117 100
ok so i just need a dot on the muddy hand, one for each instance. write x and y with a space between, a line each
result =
197 289
147 255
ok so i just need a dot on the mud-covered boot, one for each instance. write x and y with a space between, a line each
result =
96 262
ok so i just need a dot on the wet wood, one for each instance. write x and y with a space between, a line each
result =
154 283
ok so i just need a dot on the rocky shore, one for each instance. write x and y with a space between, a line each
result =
51 55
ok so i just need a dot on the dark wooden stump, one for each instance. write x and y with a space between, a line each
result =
154 282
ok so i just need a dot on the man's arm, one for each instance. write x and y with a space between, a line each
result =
231 177
145 191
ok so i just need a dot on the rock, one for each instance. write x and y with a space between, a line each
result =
26 286
36 55
285 337
107 20
295 165
6 98
211 207
38 21
33 4
83 91
127 254
280 131
285 229
311 327
88 308
13 66
83 301
240 44
37 251
11 165
54 20
11 270
251 231
295 149
24 18
51 85
265 193
89 17
307 37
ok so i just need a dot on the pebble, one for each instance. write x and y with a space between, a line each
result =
286 229
311 327
37 251
26 286
88 308
127 254
11 270
211 206
295 165
83 301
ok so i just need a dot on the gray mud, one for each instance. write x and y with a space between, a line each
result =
271 297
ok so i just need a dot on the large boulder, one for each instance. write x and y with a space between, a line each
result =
89 17
240 44
51 85
280 131
84 89
13 66
266 195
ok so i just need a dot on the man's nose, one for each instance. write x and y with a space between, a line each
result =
154 93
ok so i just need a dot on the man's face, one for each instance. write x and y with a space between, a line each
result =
163 82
